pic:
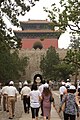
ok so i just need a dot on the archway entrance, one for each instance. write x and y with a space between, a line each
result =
38 78
35 75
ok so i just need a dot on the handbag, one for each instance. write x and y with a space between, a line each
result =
51 98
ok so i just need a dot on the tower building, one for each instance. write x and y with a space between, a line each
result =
37 34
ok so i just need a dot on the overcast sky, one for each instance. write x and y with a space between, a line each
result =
37 13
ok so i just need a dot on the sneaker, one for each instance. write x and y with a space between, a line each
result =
10 118
46 117
13 115
7 110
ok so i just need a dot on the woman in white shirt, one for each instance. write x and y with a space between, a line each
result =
35 97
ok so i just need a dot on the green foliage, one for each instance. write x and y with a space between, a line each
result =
29 81
67 15
75 42
73 55
48 64
55 69
11 9
11 66
64 71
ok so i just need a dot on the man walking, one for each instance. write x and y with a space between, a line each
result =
12 98
5 99
25 97
62 89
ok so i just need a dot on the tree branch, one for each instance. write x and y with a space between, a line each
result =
1 2
70 26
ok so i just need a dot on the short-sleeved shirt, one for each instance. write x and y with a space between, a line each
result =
34 98
71 106
4 90
40 88
62 90
12 91
25 90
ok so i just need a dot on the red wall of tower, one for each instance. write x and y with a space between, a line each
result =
28 43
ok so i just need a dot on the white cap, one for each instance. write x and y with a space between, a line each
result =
68 80
11 83
25 83
72 87
63 83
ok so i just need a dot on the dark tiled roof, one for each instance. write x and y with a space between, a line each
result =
35 21
35 31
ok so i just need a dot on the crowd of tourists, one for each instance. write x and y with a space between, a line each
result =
36 97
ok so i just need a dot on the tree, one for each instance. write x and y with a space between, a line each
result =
73 55
48 64
11 9
65 16
11 66
64 70
53 68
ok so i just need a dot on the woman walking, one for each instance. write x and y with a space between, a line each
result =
46 95
35 97
71 107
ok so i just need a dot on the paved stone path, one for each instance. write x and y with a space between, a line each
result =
54 116
18 111
20 115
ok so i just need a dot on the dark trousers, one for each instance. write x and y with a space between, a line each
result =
20 90
26 103
61 96
42 107
35 112
69 117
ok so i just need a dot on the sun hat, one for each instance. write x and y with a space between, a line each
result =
72 87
